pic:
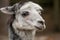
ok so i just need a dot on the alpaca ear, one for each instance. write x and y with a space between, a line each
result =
7 10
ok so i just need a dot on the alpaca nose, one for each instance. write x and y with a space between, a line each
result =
41 22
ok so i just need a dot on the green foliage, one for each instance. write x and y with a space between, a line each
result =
45 3
41 2
13 1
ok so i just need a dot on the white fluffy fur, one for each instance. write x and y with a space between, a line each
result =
29 22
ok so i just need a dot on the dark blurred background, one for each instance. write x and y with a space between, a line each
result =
51 14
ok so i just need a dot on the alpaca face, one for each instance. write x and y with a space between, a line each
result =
27 16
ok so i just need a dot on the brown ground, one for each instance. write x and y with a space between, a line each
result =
55 36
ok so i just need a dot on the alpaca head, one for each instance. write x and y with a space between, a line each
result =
27 16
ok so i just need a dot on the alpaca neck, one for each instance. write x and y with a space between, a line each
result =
27 35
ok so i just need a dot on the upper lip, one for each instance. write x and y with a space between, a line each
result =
39 28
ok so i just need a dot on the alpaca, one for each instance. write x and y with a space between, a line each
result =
26 19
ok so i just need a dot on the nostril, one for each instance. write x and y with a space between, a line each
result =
41 22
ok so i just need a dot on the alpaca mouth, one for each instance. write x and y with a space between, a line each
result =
39 28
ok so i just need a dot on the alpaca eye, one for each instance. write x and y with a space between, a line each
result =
25 14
